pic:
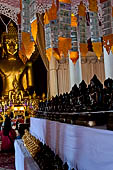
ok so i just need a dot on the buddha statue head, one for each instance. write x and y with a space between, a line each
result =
12 49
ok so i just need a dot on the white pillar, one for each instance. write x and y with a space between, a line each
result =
75 72
108 63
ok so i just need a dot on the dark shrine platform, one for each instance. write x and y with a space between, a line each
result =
97 119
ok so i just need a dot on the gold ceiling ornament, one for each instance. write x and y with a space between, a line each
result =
112 49
97 48
108 42
56 53
46 18
81 9
83 49
52 13
64 44
28 44
49 53
74 55
65 1
73 21
93 5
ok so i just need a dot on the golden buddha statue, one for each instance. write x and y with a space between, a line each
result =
16 94
43 97
10 63
12 49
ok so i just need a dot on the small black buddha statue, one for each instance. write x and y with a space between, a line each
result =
82 98
107 94
95 94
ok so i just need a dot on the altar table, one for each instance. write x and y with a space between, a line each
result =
81 147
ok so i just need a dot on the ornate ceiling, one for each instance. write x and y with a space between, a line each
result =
10 8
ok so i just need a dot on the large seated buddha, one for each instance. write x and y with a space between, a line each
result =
10 63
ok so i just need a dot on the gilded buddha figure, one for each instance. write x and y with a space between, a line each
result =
10 63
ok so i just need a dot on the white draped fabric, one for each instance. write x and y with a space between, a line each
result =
90 68
82 147
63 78
75 73
23 159
108 62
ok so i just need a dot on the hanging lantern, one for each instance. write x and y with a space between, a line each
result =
73 53
25 14
26 42
107 24
108 42
64 25
94 27
51 33
64 16
82 29
48 43
52 13
32 10
33 19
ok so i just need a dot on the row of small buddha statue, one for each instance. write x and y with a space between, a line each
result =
31 143
42 154
83 98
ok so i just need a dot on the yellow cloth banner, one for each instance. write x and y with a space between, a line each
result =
34 29
74 55
28 45
65 1
52 13
56 53
73 21
108 42
81 9
93 5
97 48
112 49
83 49
22 54
49 53
46 18
64 44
